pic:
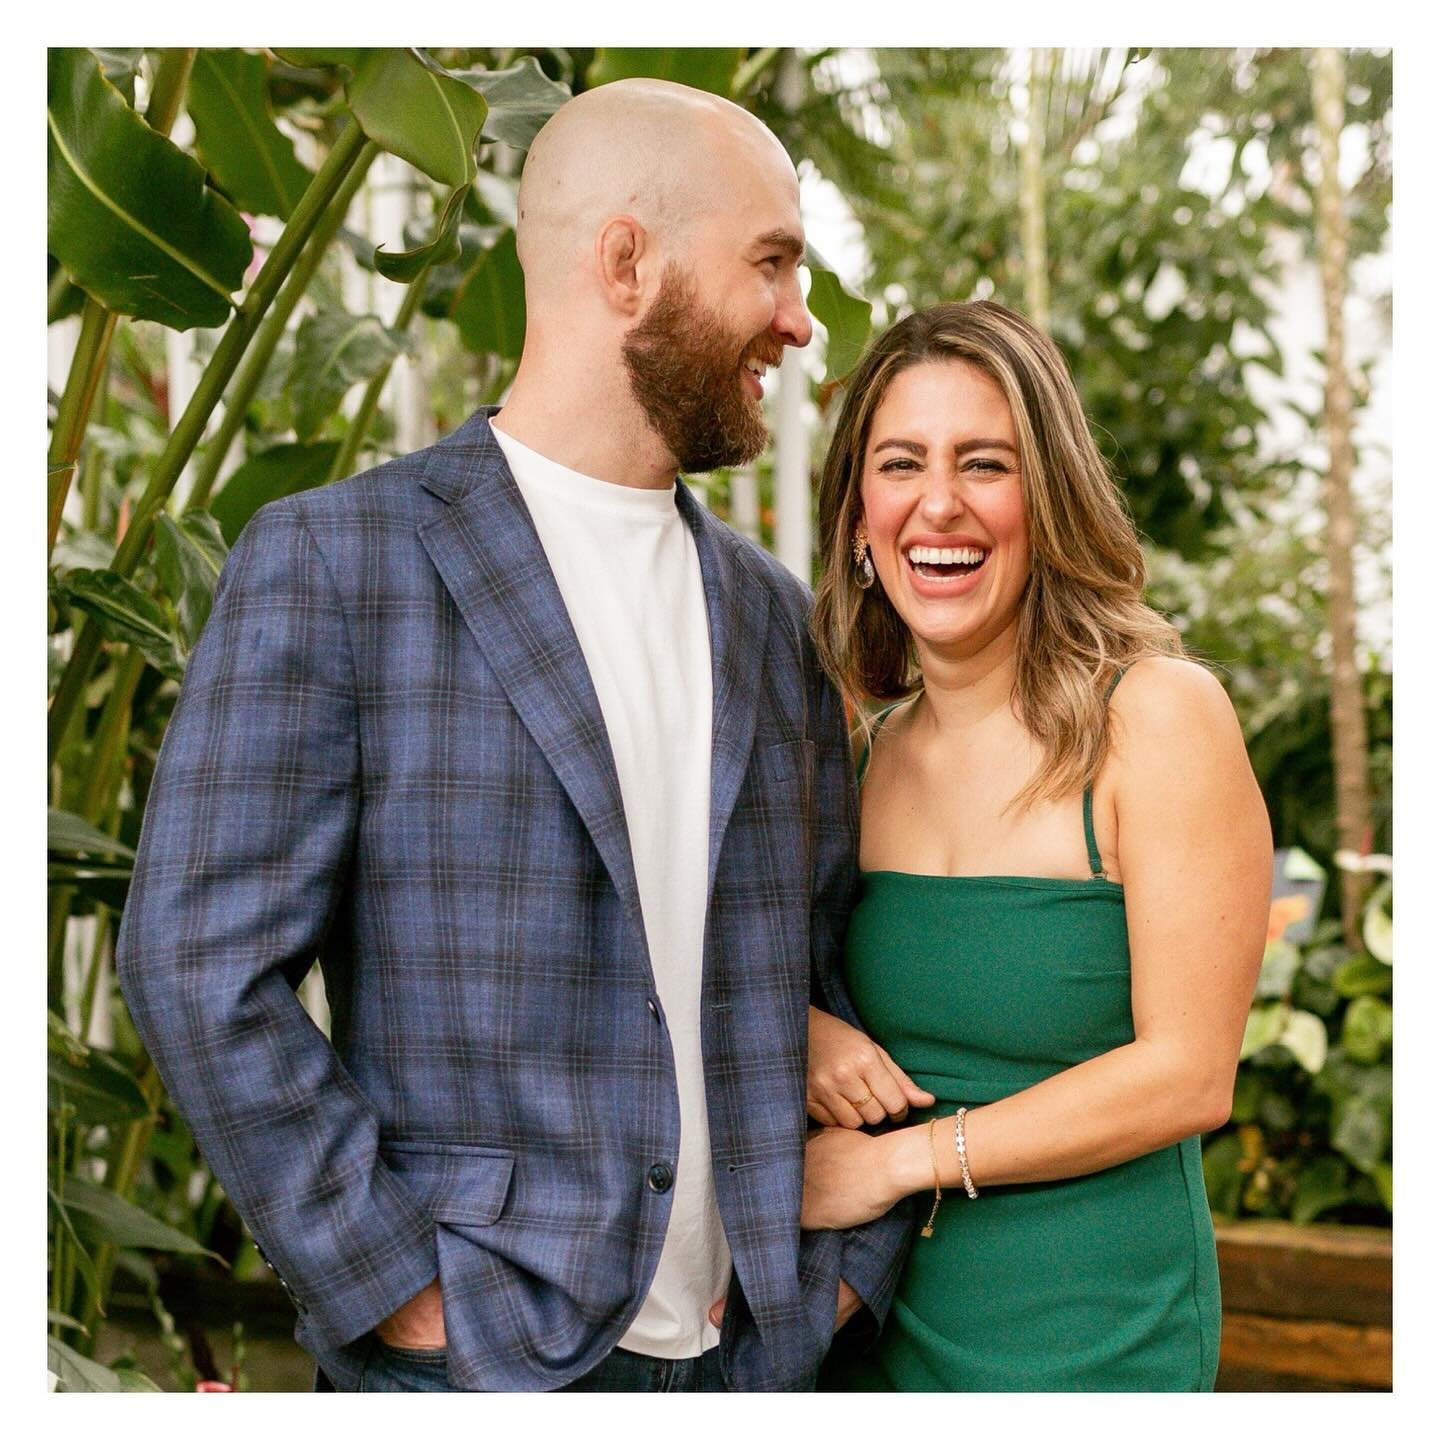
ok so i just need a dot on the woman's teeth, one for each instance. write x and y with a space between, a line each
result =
930 555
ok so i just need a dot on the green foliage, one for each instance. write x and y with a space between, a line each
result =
1309 1134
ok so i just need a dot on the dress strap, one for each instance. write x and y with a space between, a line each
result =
1097 869
864 762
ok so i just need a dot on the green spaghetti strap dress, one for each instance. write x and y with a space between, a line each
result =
980 986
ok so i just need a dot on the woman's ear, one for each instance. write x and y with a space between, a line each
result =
620 248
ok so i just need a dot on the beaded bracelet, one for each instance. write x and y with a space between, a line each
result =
965 1179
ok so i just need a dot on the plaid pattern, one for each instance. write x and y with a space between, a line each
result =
388 753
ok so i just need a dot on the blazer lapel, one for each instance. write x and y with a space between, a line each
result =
488 554
738 604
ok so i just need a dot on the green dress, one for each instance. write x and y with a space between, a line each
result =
980 986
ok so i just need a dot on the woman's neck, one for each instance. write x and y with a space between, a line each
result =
963 693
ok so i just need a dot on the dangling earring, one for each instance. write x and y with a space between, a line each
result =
864 571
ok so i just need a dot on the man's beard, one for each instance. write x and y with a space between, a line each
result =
684 368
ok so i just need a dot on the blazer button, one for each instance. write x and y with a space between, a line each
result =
654 1010
661 1178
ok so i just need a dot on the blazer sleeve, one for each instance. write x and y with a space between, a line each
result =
242 860
871 1255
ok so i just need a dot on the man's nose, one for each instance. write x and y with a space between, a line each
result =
792 319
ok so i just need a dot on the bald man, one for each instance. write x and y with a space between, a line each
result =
535 755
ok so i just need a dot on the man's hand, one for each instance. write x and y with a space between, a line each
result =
846 1305
419 1324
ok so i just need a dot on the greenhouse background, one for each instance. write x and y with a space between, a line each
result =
1206 234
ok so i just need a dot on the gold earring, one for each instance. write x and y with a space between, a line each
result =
865 571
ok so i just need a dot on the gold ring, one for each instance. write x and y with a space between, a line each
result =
864 1100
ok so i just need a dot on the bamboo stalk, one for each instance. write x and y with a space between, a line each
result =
251 370
370 401
1347 701
191 425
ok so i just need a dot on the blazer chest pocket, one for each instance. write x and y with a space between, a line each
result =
788 763
458 1184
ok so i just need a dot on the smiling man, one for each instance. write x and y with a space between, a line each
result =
536 756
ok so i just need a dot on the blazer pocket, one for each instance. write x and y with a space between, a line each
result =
787 762
459 1184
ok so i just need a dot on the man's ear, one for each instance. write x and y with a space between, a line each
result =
623 248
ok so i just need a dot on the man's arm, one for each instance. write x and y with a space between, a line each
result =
243 856
871 1255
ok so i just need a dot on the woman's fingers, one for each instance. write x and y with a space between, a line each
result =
912 1093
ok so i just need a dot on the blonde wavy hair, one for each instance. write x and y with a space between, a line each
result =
1082 616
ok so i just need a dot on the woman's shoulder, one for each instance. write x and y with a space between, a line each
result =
1166 704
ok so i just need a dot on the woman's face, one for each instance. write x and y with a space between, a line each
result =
942 506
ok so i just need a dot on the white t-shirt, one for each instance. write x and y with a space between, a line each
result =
628 571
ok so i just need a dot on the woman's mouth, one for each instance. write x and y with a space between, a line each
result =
932 562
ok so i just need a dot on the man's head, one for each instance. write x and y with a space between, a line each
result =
659 231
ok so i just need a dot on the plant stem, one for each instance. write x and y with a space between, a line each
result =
172 76
55 293
97 325
370 401
121 1180
252 369
183 439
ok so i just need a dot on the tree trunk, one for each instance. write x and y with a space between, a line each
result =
1032 195
1347 703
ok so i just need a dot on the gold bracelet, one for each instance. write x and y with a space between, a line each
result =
928 1229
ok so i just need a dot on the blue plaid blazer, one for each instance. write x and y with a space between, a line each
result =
387 753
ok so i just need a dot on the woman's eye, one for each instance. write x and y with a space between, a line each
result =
989 467
899 463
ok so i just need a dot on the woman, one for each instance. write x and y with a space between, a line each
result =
1065 868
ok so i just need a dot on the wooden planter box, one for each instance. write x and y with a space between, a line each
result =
1305 1307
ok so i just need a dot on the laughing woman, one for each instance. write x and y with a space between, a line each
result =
1065 876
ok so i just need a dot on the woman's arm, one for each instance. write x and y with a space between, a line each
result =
1194 852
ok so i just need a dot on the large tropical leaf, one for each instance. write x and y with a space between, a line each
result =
489 299
189 554
521 99
102 1089
77 1373
711 70
443 246
101 1216
334 351
844 314
236 136
409 106
125 614
128 213
279 471
68 834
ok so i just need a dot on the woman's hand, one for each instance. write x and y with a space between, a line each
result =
847 1180
851 1081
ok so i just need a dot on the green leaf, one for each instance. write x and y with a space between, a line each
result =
104 885
1277 970
409 106
1384 1178
489 303
83 1263
1224 1180
1323 1185
844 314
128 212
125 614
102 1217
189 554
236 136
68 834
272 474
65 1322
1363 975
711 70
333 351
1264 1026
101 1088
1360 1130
406 266
520 100
1305 1038
78 1374
120 67
1367 1029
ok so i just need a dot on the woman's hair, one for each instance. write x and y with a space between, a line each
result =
1082 617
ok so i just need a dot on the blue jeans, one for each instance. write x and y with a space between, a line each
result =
387 1368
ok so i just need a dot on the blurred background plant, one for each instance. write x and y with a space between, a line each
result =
267 271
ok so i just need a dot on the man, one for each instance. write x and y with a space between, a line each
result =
536 755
